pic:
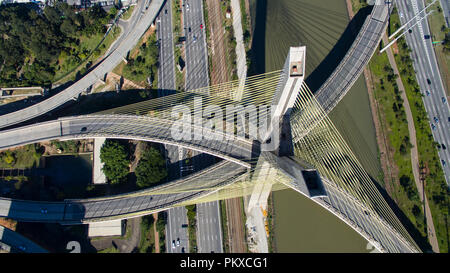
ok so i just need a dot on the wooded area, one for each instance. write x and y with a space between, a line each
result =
36 43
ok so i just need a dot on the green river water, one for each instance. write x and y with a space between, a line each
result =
300 224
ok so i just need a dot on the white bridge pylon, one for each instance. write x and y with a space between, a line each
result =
289 86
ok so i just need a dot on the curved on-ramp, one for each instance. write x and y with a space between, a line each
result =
106 65
127 205
235 149
356 58
328 95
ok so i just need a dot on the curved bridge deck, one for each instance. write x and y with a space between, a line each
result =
238 150
19 242
359 54
111 61
125 205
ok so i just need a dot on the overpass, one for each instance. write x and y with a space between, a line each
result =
328 95
235 149
346 190
19 243
356 58
212 183
107 64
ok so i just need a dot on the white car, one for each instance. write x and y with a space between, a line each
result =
173 244
187 7
178 242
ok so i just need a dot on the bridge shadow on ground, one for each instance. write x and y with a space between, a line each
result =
55 237
421 241
332 60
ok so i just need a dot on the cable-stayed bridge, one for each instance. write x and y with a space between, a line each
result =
319 165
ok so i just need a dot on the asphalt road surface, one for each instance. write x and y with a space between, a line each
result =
112 60
209 233
196 52
18 242
176 231
209 229
176 217
428 78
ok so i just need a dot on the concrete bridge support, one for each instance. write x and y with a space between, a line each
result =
282 103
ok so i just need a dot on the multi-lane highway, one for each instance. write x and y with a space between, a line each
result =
164 29
209 229
209 233
428 78
177 238
196 51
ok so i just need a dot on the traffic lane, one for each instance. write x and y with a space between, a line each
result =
177 231
18 242
166 70
209 228
196 55
106 65
433 102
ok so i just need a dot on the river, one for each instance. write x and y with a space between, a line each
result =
301 225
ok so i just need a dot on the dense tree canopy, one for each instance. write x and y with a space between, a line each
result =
115 157
151 168
31 41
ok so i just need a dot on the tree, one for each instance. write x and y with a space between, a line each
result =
416 210
9 158
115 157
151 168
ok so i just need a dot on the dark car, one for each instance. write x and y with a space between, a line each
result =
83 129
189 29
428 81
444 100
436 119
426 36
443 146
165 11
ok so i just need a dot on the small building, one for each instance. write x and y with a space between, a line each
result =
106 228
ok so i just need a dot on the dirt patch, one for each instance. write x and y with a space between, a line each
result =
8 223
395 48
157 249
